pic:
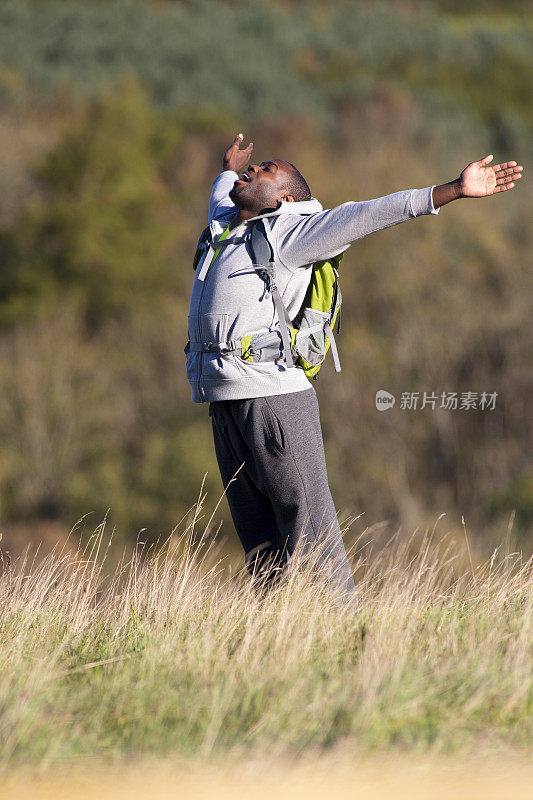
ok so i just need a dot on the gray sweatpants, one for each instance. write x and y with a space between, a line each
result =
280 493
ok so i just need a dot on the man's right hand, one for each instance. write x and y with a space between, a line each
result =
236 159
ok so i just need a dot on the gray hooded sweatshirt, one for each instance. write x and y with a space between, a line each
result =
229 301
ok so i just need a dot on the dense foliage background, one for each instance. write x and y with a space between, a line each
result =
113 120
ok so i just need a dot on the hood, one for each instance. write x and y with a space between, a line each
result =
302 207
284 208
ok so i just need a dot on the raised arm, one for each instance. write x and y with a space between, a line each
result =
233 162
323 235
303 241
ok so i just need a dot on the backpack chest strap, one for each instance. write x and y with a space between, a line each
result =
265 346
223 348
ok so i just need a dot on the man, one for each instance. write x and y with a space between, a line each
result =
265 415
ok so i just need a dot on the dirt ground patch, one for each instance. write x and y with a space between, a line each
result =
339 776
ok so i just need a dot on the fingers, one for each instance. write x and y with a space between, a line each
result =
509 165
485 160
238 141
509 171
234 158
506 174
507 178
504 165
503 188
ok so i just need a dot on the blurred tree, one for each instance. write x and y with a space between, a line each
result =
99 229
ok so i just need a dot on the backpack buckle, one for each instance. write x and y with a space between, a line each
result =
267 276
227 347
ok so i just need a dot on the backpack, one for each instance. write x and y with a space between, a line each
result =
307 338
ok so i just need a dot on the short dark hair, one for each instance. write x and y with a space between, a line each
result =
297 185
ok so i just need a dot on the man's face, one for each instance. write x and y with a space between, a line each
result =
261 187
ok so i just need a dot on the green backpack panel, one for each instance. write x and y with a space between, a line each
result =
311 332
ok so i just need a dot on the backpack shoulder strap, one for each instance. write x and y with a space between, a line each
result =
262 252
202 246
263 256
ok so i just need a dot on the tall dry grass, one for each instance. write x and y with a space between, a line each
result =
172 650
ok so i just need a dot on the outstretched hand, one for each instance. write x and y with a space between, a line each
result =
236 159
479 180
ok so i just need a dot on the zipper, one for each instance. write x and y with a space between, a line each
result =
217 251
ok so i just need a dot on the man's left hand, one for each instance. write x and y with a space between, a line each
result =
480 180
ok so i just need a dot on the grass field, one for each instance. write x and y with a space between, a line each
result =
170 654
